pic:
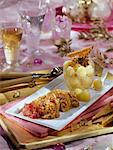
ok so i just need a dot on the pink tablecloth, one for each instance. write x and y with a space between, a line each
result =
50 59
98 143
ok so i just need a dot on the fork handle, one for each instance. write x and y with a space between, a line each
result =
13 75
11 82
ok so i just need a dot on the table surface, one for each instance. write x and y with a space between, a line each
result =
50 60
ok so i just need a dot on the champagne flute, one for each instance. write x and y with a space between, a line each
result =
32 14
11 34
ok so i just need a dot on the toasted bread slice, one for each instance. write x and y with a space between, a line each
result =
80 53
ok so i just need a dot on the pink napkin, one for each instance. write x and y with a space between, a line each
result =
41 131
3 144
93 109
86 27
35 129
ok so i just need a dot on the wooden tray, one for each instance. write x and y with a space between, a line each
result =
23 139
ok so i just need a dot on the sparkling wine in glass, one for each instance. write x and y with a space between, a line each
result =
11 38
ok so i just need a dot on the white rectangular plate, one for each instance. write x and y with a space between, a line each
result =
66 117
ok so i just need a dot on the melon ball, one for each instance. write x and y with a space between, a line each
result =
76 66
87 82
90 71
75 83
78 91
84 95
81 72
97 84
66 64
70 71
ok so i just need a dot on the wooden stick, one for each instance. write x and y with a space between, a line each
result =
11 88
13 75
20 86
11 82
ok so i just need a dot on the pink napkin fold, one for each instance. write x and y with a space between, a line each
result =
35 129
86 27
93 109
3 144
42 131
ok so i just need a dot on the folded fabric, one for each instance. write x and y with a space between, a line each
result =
106 98
93 109
86 27
42 131
35 129
80 27
3 144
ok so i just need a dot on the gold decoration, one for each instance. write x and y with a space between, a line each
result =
63 46
101 59
82 15
16 94
32 84
98 32
29 65
85 3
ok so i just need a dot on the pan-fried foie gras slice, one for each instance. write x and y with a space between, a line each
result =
64 99
73 98
67 99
